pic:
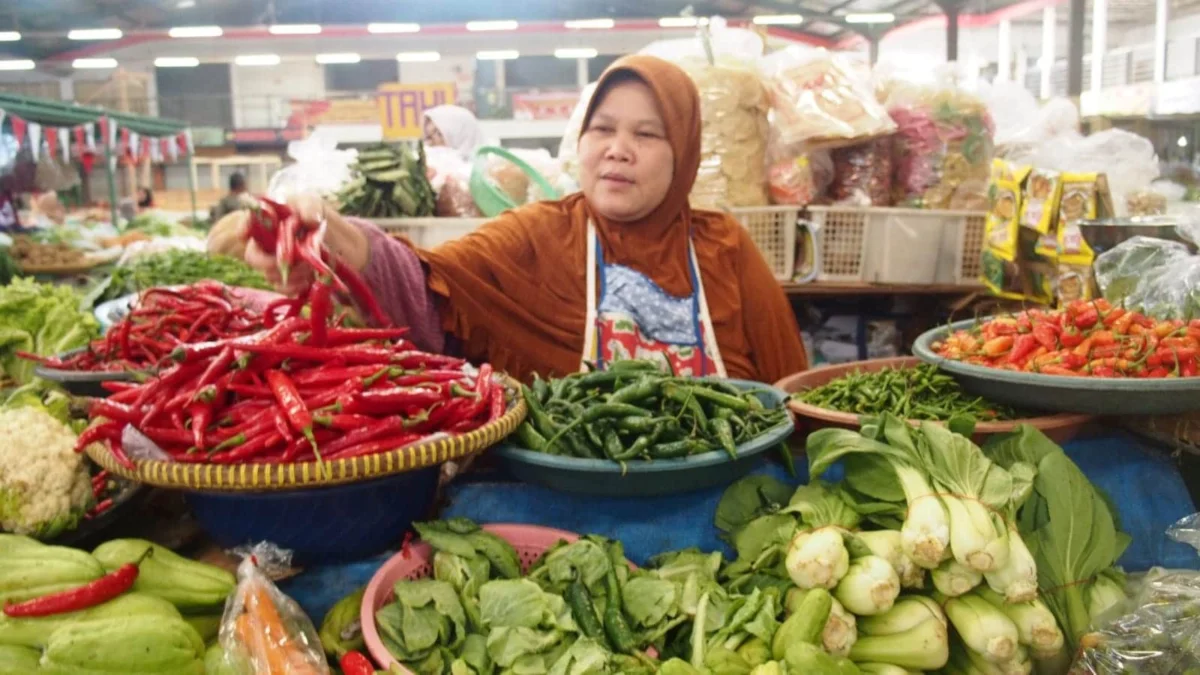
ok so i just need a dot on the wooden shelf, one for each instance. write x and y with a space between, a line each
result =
817 289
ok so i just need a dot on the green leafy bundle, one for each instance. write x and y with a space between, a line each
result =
43 319
171 268
389 182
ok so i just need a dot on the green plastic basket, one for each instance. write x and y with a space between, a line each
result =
491 200
648 478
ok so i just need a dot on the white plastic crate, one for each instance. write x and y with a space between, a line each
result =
429 232
897 246
773 231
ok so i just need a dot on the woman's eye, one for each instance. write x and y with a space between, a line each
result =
648 134
603 129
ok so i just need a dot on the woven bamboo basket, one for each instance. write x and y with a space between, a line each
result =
308 475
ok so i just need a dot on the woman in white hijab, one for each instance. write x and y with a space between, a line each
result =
454 127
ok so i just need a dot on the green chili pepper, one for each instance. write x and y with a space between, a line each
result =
677 449
620 636
541 391
641 390
634 365
584 612
531 439
716 398
613 447
724 433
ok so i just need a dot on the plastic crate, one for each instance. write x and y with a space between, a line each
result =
429 232
773 231
970 250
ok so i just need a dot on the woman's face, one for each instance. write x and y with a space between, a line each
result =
626 163
433 135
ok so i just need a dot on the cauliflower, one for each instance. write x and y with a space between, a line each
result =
44 484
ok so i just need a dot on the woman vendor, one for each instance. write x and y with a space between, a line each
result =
624 269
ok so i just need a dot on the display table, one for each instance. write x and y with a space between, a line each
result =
1142 480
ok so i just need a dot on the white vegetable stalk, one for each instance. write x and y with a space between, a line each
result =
1017 579
869 587
1036 627
817 559
925 534
888 544
840 632
1021 664
983 628
1103 596
978 537
908 613
953 579
883 669
925 645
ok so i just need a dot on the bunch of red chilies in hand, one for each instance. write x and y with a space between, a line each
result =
161 320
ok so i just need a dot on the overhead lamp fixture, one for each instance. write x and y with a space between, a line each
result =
418 57
682 22
176 62
95 34
257 60
16 64
393 27
870 17
9 36
196 32
491 25
341 57
498 55
294 29
779 20
576 53
94 64
590 24
185 4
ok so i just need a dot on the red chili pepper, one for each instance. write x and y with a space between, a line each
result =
281 425
377 446
358 354
248 448
1087 318
331 375
387 400
361 292
285 252
102 506
1060 370
384 427
354 663
1022 347
321 307
344 422
201 415
98 432
1188 369
293 406
1158 372
998 345
103 407
1046 335
118 453
91 594
342 336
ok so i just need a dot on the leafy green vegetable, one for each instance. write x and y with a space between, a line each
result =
748 499
43 319
425 616
178 267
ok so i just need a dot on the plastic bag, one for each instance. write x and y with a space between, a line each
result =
799 177
263 631
450 177
820 98
1123 268
862 174
319 167
1127 160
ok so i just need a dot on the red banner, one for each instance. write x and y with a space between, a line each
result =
550 105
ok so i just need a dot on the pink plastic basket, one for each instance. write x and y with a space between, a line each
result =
530 541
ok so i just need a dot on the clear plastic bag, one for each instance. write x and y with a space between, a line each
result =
450 177
263 631
862 174
319 166
820 98
1122 269
799 177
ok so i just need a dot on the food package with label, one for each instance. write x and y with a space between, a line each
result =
1001 257
1085 196
796 175
862 174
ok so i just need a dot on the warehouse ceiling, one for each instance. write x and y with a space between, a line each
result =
43 24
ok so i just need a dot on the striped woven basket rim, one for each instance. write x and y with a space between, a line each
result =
305 475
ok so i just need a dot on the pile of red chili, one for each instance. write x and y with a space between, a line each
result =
160 321
1087 338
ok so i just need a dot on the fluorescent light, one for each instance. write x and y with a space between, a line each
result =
591 24
491 25
682 22
185 4
95 34
295 29
576 53
94 63
779 20
257 60
176 62
393 27
343 57
418 57
16 64
498 55
870 17
9 36
196 32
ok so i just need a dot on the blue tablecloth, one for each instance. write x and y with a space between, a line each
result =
1144 483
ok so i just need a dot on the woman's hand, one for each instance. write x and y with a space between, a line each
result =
342 238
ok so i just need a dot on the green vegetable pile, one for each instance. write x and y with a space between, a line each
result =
921 392
389 182
634 411
44 319
171 268
8 267
156 226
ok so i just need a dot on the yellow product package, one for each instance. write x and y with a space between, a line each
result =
1084 197
1039 204
1000 244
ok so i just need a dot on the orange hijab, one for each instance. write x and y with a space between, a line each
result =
514 291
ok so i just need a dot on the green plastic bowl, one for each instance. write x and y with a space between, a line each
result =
645 478
1035 391
491 200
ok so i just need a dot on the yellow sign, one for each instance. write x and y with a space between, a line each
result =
402 106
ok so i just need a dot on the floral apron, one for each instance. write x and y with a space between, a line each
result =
635 319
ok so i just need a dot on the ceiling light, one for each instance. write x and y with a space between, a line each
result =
590 24
185 4
498 55
94 63
176 62
257 60
95 34
491 25
295 29
418 57
1182 142
196 32
779 20
342 57
576 53
682 22
393 27
16 64
9 36
870 17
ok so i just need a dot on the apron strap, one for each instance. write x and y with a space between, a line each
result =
708 341
590 345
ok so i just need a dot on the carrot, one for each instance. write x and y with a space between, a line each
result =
270 642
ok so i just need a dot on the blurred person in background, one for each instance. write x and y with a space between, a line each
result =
454 127
145 198
234 201
10 220
48 210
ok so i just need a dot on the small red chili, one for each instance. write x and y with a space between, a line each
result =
94 593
